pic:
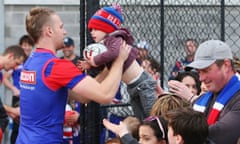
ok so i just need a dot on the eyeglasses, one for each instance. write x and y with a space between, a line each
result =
151 118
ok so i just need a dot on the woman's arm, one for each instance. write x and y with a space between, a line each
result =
120 130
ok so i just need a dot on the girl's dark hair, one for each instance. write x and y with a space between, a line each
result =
182 74
152 122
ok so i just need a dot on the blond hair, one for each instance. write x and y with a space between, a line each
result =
133 124
113 141
36 19
166 102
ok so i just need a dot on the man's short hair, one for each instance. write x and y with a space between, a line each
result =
189 124
17 51
192 40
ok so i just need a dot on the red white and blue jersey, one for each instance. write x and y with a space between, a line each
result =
45 80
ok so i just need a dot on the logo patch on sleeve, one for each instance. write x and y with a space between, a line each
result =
28 77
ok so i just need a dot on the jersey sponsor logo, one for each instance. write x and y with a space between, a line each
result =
28 77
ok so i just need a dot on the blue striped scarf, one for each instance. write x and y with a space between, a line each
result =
222 99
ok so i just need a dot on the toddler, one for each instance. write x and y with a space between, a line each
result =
105 27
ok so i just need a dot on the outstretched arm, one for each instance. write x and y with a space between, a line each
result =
120 130
83 65
113 45
105 91
102 75
113 48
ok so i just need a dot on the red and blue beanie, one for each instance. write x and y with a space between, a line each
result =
107 19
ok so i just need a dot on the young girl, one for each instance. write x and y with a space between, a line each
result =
105 27
153 130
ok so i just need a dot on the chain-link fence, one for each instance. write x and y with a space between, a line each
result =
179 20
166 24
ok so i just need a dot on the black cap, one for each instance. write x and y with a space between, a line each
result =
68 41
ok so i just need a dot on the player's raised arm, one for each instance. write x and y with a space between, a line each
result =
104 92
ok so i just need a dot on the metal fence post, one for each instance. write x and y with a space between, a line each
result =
223 20
162 42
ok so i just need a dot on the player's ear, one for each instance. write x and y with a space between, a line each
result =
48 30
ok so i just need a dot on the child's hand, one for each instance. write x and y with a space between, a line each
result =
124 50
90 61
83 65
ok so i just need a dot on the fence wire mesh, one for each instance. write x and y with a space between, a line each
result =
166 24
197 19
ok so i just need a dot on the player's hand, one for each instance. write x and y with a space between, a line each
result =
83 65
90 61
124 50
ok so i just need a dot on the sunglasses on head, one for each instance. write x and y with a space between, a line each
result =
151 118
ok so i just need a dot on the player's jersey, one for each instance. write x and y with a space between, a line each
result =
16 76
45 80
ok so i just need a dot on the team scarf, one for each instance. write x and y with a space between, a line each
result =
222 99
